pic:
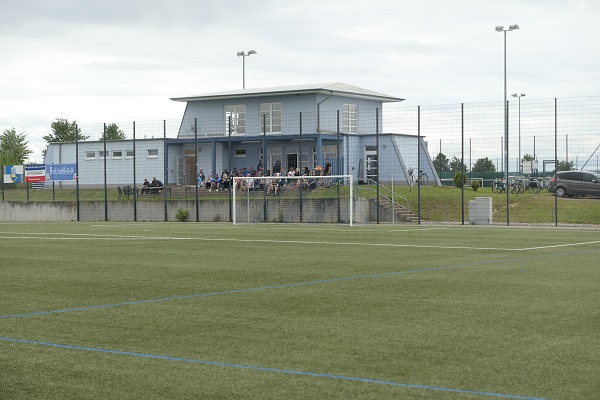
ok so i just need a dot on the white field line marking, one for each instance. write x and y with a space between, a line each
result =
88 236
295 229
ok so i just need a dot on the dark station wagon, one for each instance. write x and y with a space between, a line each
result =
575 183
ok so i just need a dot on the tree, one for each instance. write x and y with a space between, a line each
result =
528 157
64 131
13 147
456 165
441 163
113 133
484 165
566 165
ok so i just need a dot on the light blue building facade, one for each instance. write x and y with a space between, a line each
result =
301 126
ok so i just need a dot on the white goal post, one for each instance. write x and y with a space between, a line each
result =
293 199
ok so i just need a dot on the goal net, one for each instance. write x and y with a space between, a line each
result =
293 199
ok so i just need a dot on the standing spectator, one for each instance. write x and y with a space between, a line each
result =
327 170
201 178
259 166
277 168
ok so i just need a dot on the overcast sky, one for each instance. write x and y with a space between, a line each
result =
118 61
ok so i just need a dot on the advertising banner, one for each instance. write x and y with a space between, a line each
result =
61 172
35 173
13 174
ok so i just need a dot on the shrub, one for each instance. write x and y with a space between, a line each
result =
475 185
459 180
182 215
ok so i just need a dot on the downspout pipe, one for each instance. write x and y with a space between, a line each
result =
319 110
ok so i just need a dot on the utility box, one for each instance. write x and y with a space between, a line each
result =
480 211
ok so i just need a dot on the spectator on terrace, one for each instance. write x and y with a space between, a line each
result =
145 186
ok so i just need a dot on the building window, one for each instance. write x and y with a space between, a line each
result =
129 153
270 117
102 154
237 115
90 155
350 118
117 154
152 153
239 153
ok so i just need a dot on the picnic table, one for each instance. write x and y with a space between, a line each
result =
153 190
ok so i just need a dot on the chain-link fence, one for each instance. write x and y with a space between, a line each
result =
405 159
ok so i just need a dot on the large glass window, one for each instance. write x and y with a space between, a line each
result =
350 118
237 116
270 117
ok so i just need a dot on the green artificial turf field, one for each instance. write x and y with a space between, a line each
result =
220 311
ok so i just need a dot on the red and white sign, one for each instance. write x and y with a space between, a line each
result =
35 173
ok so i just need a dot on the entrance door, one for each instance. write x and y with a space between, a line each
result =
292 161
190 171
371 164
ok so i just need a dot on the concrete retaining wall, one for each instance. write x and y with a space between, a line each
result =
315 211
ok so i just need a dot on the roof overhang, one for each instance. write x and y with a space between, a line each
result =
339 89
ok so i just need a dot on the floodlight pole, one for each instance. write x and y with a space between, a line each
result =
244 55
501 29
519 97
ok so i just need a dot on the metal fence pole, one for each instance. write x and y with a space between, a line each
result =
105 181
134 179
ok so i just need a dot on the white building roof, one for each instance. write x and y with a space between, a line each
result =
340 89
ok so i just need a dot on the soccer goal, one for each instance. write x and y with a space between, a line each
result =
293 199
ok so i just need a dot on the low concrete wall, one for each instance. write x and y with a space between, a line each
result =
313 211
17 211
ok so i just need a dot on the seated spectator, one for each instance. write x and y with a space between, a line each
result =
273 186
145 186
225 180
209 183
216 183
310 183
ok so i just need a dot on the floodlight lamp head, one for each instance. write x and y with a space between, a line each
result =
499 28
513 27
514 95
240 54
252 52
522 94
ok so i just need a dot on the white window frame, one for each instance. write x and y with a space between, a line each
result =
150 153
272 113
102 154
90 155
129 153
350 118
238 119
116 157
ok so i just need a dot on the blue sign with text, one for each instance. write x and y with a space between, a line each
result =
61 172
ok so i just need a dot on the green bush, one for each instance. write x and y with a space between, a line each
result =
475 185
182 215
459 179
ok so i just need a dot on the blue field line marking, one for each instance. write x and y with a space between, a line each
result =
267 369
294 284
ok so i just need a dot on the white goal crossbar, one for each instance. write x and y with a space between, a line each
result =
293 199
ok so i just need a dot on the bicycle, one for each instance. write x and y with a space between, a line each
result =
422 179
499 185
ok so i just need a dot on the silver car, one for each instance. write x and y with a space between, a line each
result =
575 183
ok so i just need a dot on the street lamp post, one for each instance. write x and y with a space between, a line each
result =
500 28
244 55
519 97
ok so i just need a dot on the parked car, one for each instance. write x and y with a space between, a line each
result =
575 183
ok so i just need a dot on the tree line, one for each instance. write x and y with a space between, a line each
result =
441 163
15 150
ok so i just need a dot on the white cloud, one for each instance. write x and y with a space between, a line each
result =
105 61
